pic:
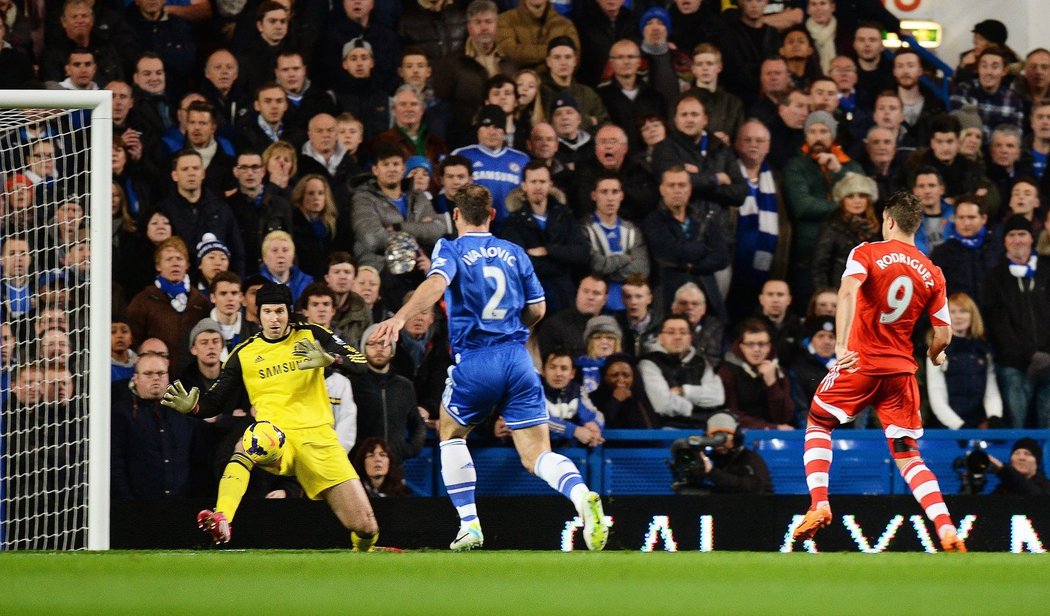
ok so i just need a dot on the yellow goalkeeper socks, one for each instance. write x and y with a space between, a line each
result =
363 544
233 484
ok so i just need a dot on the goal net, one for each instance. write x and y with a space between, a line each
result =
55 247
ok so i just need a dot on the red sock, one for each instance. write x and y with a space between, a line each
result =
817 458
927 491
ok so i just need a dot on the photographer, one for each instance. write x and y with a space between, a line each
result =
727 467
1022 475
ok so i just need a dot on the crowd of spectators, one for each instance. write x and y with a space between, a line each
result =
687 176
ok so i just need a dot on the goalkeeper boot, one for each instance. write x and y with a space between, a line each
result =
214 524
815 520
951 542
468 538
595 532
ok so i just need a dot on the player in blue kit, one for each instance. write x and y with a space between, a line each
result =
493 297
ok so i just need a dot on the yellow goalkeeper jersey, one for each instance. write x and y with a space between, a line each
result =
282 393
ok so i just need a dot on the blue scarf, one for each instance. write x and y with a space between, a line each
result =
757 228
1024 270
178 292
975 242
590 371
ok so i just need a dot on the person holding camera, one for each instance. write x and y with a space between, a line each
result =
725 466
1022 474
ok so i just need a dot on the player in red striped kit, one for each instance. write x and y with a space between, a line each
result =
885 289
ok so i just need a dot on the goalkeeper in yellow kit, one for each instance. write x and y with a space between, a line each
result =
282 368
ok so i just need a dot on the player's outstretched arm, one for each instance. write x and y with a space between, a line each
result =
212 401
425 296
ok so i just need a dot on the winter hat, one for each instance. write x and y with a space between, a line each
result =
655 12
17 179
822 117
491 115
722 422
418 162
819 324
204 325
968 117
565 99
1017 223
602 324
1032 446
561 41
274 293
855 184
993 30
210 243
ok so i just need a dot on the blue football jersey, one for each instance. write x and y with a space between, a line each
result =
500 172
489 283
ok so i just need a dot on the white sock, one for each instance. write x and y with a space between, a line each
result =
457 470
561 474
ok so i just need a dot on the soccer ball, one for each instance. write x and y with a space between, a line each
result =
263 442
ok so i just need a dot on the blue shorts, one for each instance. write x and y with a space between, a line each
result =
501 378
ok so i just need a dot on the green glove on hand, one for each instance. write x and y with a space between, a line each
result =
179 399
312 354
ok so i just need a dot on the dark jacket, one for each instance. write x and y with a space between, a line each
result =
739 471
567 249
625 112
965 269
1017 311
565 328
597 34
340 29
172 39
434 147
250 135
210 214
439 33
640 192
313 244
461 80
711 157
314 100
835 240
151 449
1012 482
386 408
429 376
257 218
750 399
694 256
367 100
743 59
150 315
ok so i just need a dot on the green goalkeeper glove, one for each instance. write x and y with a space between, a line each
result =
179 399
312 354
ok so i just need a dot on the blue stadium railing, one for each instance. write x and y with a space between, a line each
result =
633 462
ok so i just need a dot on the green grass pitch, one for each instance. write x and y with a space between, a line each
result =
272 583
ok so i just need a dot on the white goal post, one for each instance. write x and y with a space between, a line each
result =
94 196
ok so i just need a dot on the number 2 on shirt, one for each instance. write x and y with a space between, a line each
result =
896 300
492 311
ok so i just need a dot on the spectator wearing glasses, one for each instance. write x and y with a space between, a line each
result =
757 390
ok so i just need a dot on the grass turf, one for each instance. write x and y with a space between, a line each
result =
265 583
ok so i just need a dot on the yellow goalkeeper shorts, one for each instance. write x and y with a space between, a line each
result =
316 458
